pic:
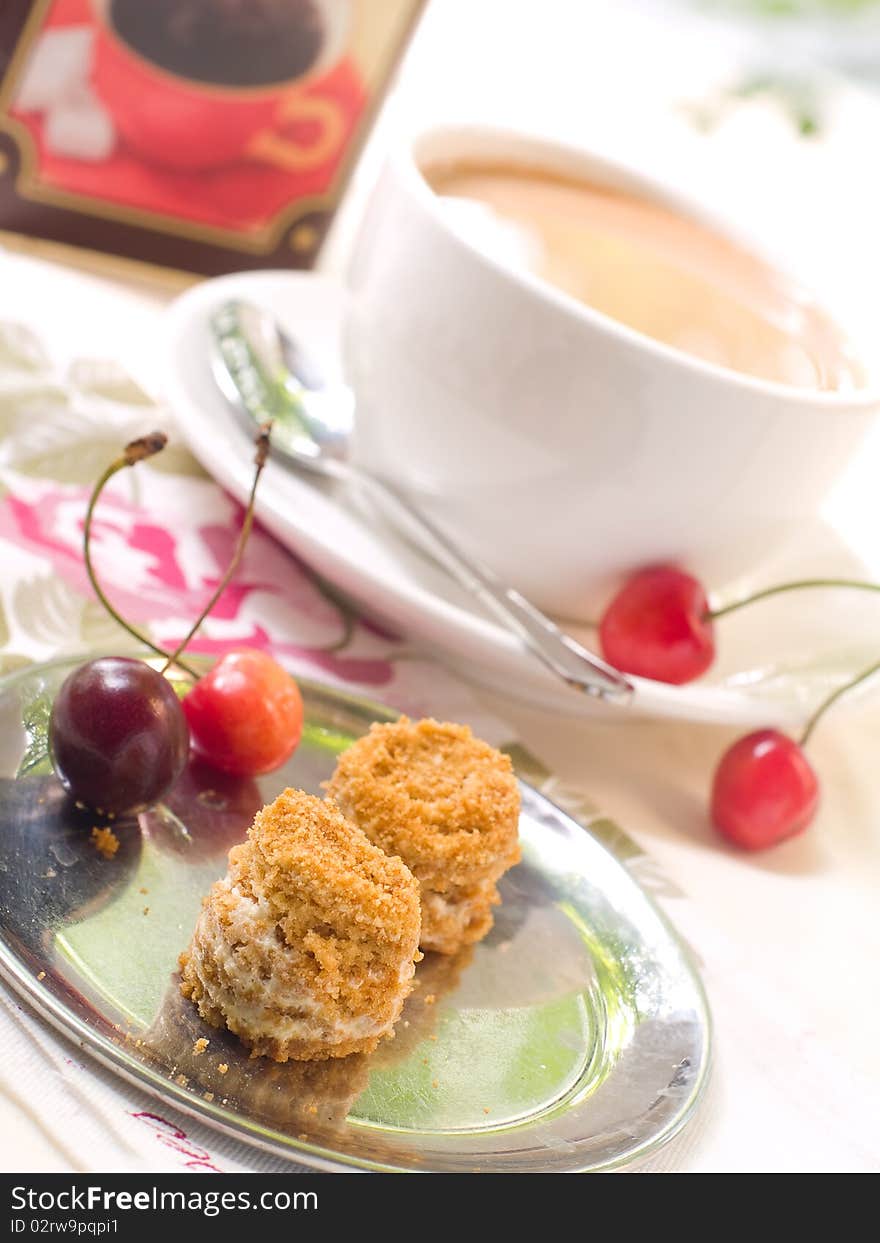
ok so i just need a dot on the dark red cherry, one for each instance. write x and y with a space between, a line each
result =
118 736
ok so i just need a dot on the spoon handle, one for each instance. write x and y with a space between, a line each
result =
562 654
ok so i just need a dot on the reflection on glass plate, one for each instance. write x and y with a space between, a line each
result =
575 1037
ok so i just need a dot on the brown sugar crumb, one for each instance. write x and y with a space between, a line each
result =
223 1068
486 1109
182 1080
322 927
209 1096
448 805
435 1083
42 975
430 999
105 841
143 889
433 1036
200 1045
146 910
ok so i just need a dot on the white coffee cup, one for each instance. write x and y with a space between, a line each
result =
558 445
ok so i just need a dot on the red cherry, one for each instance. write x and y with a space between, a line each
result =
246 715
658 626
764 790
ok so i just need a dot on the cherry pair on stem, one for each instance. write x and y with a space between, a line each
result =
120 735
660 626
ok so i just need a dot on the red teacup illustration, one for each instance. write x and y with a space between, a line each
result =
195 84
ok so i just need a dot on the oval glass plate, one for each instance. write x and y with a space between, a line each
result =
575 1037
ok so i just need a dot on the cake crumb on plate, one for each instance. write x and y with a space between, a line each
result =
105 841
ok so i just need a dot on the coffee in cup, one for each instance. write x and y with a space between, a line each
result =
228 42
652 269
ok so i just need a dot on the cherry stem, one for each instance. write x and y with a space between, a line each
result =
833 698
136 451
260 459
799 585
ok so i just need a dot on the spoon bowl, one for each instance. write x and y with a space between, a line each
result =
265 375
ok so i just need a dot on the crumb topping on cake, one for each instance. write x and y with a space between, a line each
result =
448 805
444 801
307 947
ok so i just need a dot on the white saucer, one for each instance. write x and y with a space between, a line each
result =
776 659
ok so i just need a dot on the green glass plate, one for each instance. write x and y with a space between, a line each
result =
575 1037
